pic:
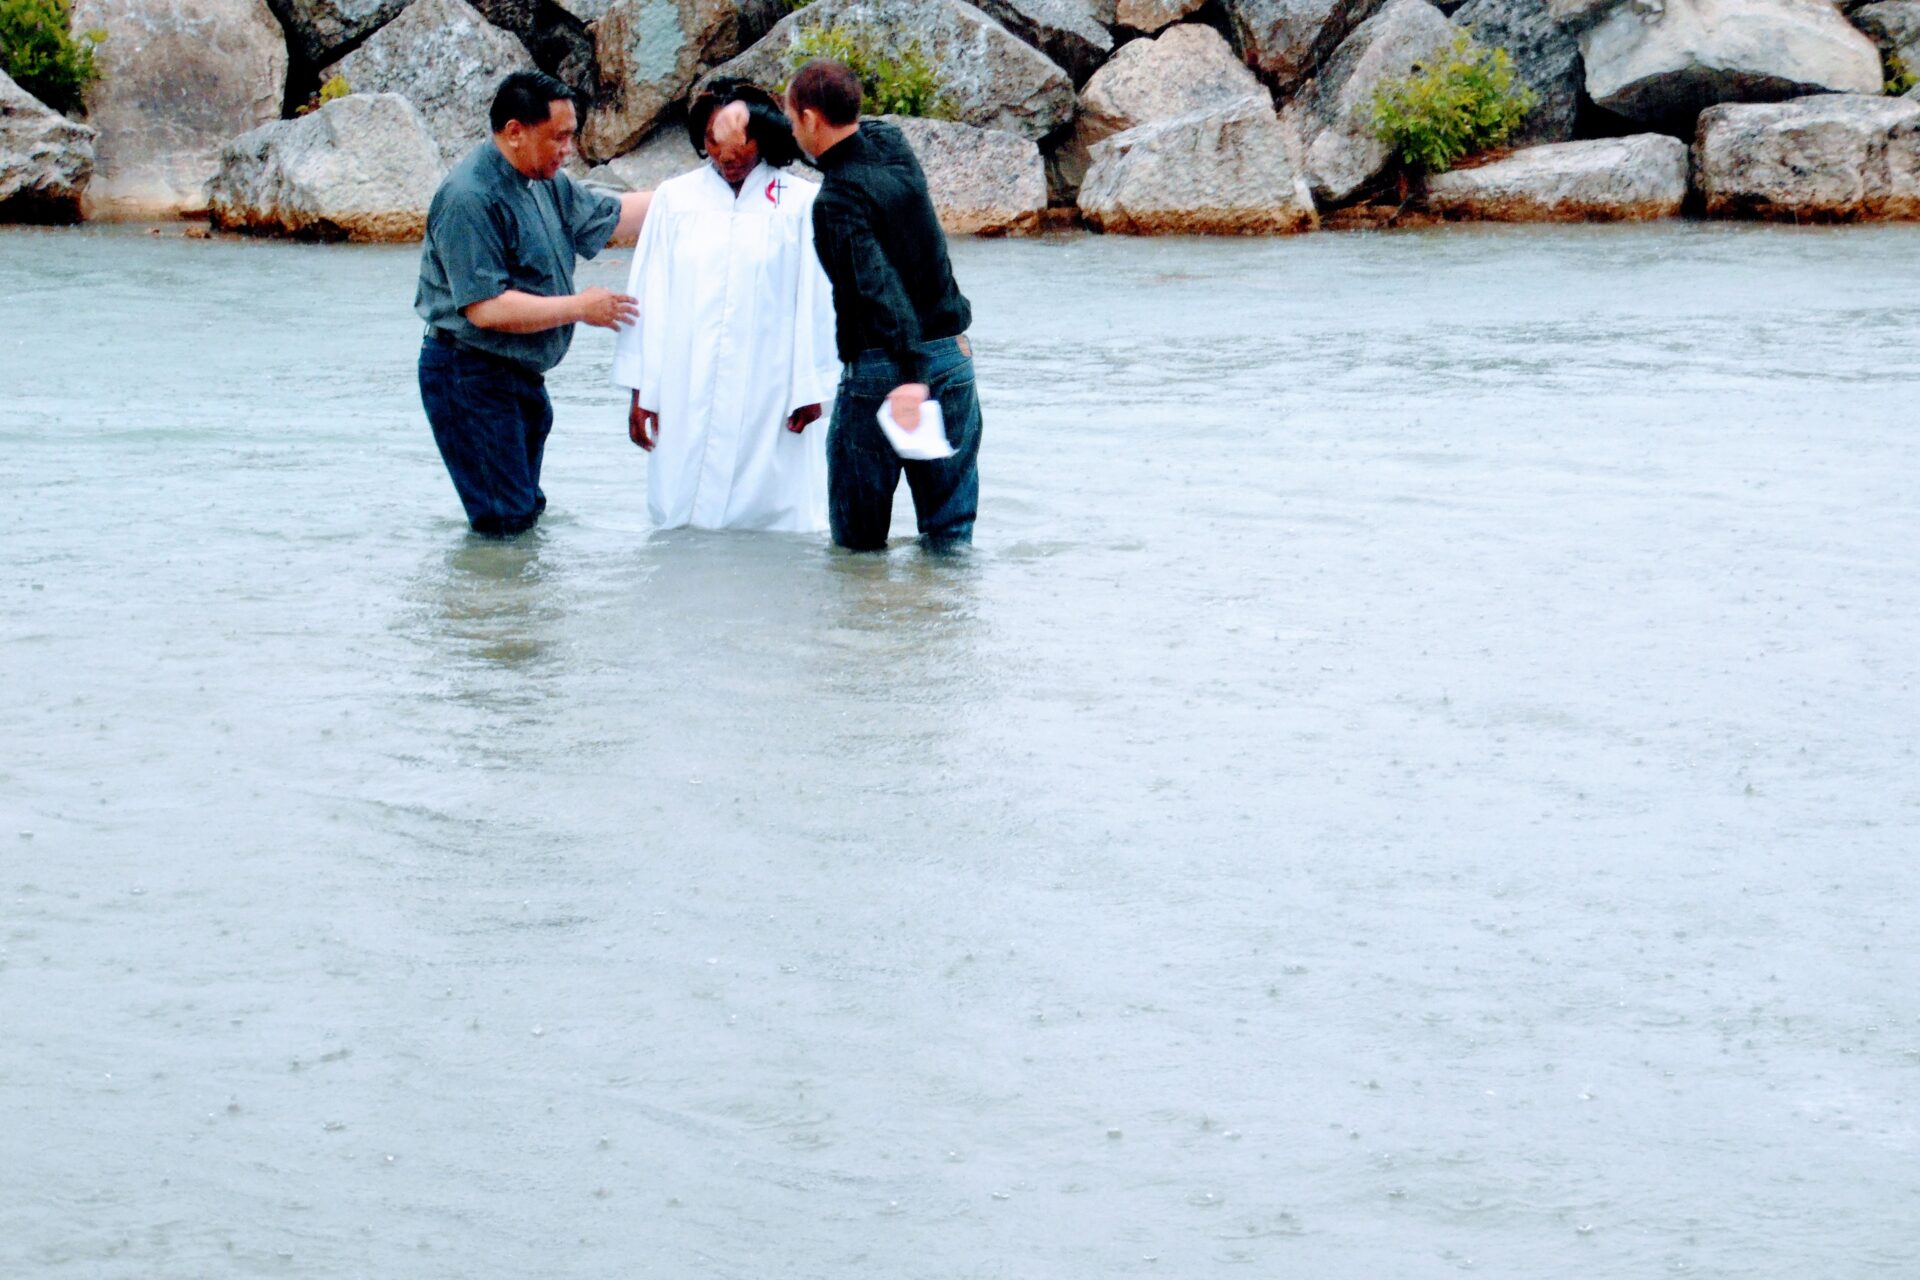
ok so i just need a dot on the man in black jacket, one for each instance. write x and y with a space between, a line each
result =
901 321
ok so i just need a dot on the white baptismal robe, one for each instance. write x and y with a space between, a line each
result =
735 333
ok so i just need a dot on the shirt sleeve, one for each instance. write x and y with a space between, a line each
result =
591 216
850 250
470 240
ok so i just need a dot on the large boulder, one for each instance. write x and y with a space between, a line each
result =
363 167
983 181
45 159
178 78
1605 180
1661 61
1231 170
319 31
650 52
665 154
1545 54
1335 113
990 79
447 60
1074 33
1827 158
1149 16
1286 41
1187 69
1895 26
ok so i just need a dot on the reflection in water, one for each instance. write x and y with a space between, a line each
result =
495 602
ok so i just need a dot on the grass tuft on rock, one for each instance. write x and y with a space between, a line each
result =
896 78
1900 77
1465 101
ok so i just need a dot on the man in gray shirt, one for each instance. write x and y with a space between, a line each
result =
496 290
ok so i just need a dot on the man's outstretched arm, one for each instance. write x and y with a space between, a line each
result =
518 312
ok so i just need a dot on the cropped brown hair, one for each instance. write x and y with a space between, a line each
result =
828 87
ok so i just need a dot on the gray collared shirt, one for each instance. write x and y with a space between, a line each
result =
490 230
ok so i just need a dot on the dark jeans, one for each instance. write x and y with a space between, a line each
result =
490 418
863 470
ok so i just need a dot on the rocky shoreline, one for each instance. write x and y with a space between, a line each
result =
1230 117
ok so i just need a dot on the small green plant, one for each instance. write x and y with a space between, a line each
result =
1900 78
896 79
335 87
43 56
1467 100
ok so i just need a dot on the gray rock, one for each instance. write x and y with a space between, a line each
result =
1662 61
178 78
1545 53
1188 68
1071 32
1233 170
1335 114
992 80
319 31
1894 25
650 52
447 60
46 159
1149 16
1286 41
1577 15
983 181
1605 180
665 154
1827 158
363 167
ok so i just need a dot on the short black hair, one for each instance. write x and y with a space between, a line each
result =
528 96
828 87
766 122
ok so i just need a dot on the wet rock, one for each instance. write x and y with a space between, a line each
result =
1545 54
178 78
46 159
1150 16
665 154
650 52
1188 68
983 181
1661 61
1827 158
1335 113
1607 180
363 167
319 31
1286 41
992 80
1071 32
1894 25
1233 170
1577 15
447 60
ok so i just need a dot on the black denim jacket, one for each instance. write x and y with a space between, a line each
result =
881 245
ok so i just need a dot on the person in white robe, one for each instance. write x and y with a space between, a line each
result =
731 362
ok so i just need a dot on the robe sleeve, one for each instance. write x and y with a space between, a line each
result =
639 350
816 363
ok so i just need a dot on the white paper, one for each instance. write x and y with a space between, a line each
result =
926 442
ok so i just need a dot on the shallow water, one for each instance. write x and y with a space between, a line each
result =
1421 778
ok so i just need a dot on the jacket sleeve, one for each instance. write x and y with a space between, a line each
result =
851 247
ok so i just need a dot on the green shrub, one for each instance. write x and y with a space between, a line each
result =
40 54
896 80
1463 101
1900 77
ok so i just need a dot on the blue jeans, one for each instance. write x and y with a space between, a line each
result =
863 470
490 418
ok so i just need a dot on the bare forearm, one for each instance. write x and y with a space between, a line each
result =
633 213
517 312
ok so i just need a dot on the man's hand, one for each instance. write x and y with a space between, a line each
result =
906 401
803 417
729 125
606 309
643 425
